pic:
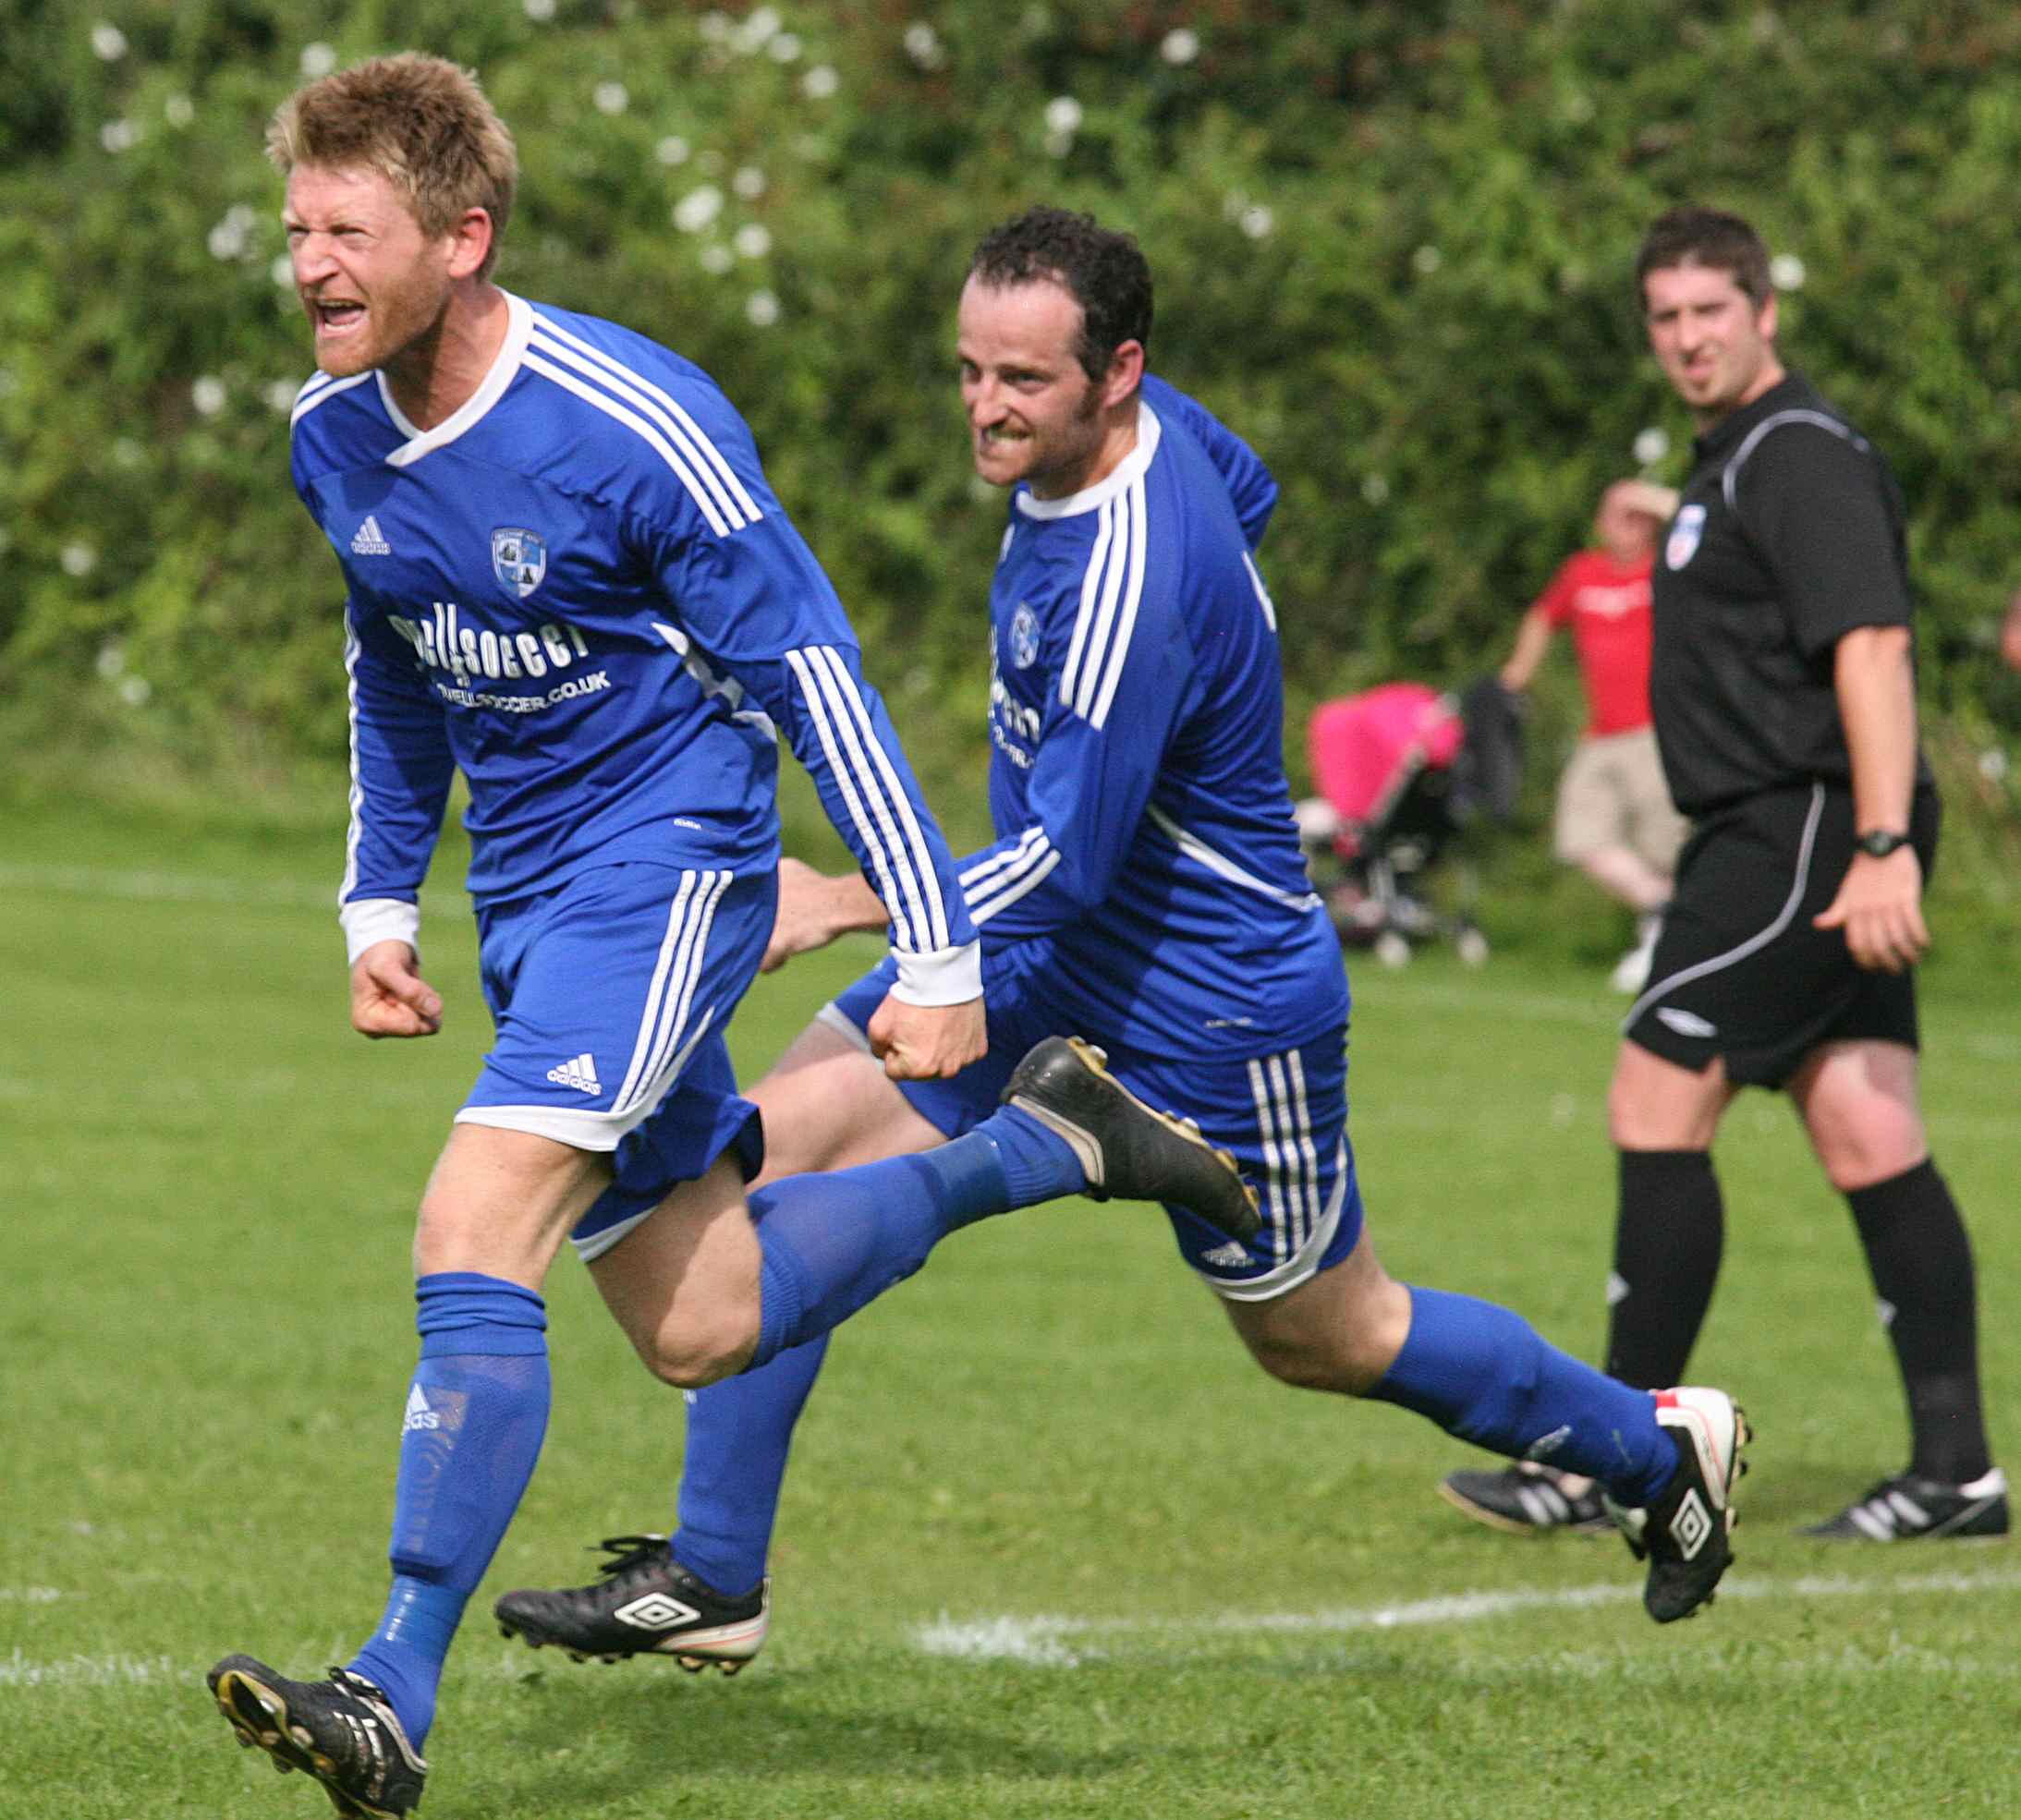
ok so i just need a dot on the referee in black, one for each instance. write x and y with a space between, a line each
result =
1783 688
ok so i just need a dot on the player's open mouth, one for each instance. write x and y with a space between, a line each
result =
335 317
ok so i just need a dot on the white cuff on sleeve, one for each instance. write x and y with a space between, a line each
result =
369 920
946 976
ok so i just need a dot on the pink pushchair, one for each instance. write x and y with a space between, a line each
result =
1402 771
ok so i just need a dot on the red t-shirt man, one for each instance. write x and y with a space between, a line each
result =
1615 817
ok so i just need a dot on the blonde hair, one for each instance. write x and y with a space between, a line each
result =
420 122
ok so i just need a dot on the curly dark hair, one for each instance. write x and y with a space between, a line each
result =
1104 272
1692 234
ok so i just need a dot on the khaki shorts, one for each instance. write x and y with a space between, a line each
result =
1612 794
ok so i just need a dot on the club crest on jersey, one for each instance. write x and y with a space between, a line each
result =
518 560
1024 637
1685 534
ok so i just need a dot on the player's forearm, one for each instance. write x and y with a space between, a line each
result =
847 905
1875 682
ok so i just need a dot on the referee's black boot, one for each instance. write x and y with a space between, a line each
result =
1126 1149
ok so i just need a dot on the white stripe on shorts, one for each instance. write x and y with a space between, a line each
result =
1284 1122
1756 942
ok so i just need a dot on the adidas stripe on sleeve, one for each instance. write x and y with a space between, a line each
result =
753 603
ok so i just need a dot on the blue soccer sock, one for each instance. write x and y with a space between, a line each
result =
738 1433
834 1242
1484 1374
475 1417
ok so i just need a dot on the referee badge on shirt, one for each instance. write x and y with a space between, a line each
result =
1685 532
518 560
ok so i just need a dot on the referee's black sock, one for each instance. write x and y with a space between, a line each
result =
1668 1235
1921 1264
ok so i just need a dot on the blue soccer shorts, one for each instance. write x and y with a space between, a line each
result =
610 996
1283 1115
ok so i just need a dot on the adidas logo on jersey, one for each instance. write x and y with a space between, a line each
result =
580 1073
1230 1256
421 1419
370 540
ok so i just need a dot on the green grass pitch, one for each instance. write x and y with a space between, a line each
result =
1052 1547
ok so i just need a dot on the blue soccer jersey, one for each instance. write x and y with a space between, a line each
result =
1137 779
580 592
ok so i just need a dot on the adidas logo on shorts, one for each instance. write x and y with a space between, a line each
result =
580 1073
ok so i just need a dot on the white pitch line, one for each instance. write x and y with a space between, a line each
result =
1048 1641
17 1669
166 887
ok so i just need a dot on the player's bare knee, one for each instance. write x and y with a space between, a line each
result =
693 1354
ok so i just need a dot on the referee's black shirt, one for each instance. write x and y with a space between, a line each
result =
1789 535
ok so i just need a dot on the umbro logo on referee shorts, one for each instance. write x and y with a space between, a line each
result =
1685 1023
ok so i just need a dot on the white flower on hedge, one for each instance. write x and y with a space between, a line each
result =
108 40
611 97
749 182
135 690
1426 261
318 59
696 210
761 309
673 150
923 45
761 25
1651 445
111 661
207 395
78 560
118 136
280 396
232 235
753 241
282 272
1062 115
1257 221
1180 45
1786 273
1375 488
178 110
714 27
1992 764
538 11
784 47
717 257
820 82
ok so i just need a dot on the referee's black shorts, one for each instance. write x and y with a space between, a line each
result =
1739 972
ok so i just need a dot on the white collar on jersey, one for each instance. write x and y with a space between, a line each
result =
1125 473
519 331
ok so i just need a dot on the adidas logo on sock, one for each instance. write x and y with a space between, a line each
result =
580 1073
370 540
421 1419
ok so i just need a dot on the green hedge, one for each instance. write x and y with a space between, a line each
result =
1392 241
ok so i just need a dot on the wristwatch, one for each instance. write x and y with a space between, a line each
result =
1879 842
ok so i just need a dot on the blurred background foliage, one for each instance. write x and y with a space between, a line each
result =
1392 240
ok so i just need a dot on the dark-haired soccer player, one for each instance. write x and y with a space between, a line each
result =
1783 690
569 580
1146 889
